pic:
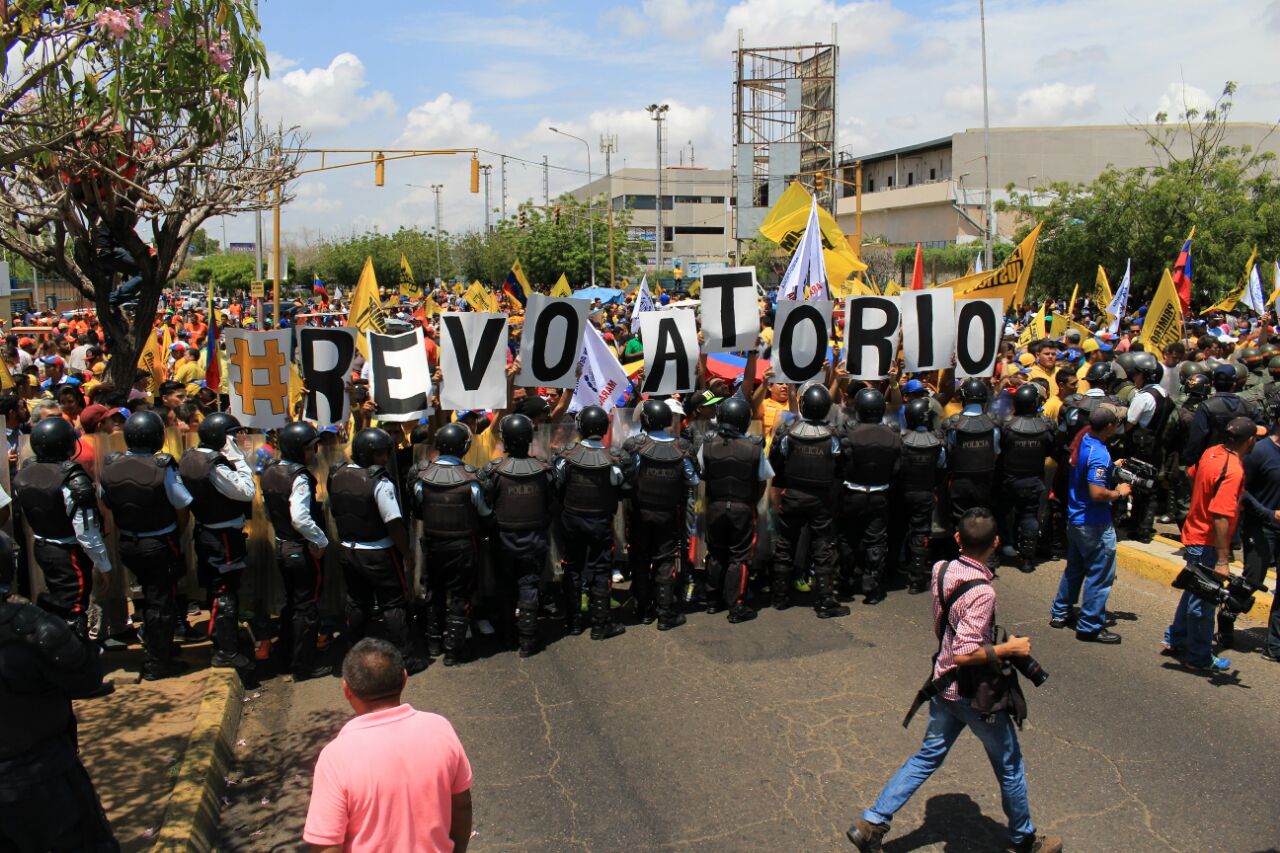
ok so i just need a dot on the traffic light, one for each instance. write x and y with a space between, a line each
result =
820 181
379 170
522 217
475 173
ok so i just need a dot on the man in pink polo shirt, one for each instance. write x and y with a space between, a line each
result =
394 778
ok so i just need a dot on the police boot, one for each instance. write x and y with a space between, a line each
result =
602 625
527 627
668 616
781 590
226 631
576 621
455 637
825 603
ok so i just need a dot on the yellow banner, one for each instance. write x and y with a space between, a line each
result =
1058 327
562 288
1008 281
1163 323
785 226
1034 330
458 288
1071 307
152 361
695 287
1228 302
1102 294
852 287
366 314
892 289
480 299
408 288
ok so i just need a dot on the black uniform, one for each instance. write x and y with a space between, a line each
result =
803 455
591 479
47 801
133 489
519 490
656 530
68 570
731 471
1209 426
920 475
444 495
971 452
870 456
1147 443
1025 443
301 571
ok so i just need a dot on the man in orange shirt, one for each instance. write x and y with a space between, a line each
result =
1217 483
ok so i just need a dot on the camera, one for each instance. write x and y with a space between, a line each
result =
1140 475
1028 667
1236 596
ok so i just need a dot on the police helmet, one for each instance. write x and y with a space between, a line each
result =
53 440
1273 367
453 440
517 433
734 413
144 432
1148 365
1026 400
655 415
1251 356
815 402
1242 372
919 413
1127 362
1198 385
1192 368
593 422
215 428
294 440
1269 351
973 390
370 441
1102 373
868 404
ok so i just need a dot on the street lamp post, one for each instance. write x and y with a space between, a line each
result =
658 114
986 138
436 188
591 223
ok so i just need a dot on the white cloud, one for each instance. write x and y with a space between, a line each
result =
966 100
445 123
676 19
862 27
935 50
1056 103
325 99
313 197
509 80
1067 57
1179 98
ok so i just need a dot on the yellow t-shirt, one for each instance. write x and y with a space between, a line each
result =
1052 407
188 372
1038 372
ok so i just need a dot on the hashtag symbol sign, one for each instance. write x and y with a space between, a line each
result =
258 378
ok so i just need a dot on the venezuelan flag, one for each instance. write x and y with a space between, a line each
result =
516 285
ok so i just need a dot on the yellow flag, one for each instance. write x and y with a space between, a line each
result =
1163 323
892 289
458 288
852 287
695 288
296 389
1228 302
408 287
366 314
1071 306
6 378
430 307
785 226
166 347
1007 281
152 360
562 288
1034 330
1058 327
479 299
1102 294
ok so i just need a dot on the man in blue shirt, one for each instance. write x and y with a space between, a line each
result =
1260 532
1091 538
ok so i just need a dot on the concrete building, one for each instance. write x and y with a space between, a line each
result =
933 192
696 212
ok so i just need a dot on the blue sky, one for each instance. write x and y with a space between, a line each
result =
495 75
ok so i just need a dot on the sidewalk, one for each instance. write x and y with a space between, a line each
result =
1161 560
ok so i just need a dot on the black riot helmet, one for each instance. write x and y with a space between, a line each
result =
973 390
1273 367
734 413
53 440
144 432
1101 374
868 405
593 422
367 443
1026 400
1148 365
919 413
1198 385
815 402
655 415
453 440
1127 362
215 428
517 434
294 440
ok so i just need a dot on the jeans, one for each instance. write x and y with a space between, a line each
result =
1192 627
1091 562
947 719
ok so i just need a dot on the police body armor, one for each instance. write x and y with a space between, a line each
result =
209 505
920 454
731 468
37 487
1024 444
133 489
975 444
1147 443
523 499
872 456
660 481
277 488
588 487
448 509
30 720
1271 401
1076 410
810 466
352 504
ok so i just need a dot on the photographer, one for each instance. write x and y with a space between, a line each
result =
964 606
1217 484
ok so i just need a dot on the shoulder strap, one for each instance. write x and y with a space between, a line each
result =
941 628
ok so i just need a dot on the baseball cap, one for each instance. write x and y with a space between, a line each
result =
54 361
1227 371
1093 345
1243 427
1026 359
913 386
94 414
709 398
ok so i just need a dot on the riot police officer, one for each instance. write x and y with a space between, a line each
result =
1196 387
1026 440
150 504
973 442
221 485
1150 415
736 472
664 474
870 453
376 556
1271 392
803 455
289 492
60 506
447 496
591 479
923 463
519 489
1209 426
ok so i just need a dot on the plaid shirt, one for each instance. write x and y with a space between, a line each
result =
972 620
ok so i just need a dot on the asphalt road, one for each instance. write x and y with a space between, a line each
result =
774 734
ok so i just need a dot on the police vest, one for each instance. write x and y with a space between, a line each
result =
809 465
870 453
1076 410
731 467
1221 411
920 454
133 489
588 486
448 509
1024 444
352 504
974 450
277 489
35 721
1147 443
660 483
37 487
522 494
1271 401
209 505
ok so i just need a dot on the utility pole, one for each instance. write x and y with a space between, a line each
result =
503 161
436 188
591 222
986 140
658 113
257 129
608 145
486 169
546 183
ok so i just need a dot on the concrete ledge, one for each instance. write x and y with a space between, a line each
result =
1158 561
191 817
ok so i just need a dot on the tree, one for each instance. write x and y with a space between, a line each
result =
768 259
560 241
202 244
119 122
339 261
1231 195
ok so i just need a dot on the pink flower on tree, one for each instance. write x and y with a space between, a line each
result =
69 14
220 51
164 15
115 22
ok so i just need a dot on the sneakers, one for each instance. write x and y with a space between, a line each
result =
866 836
1274 658
1038 844
801 584
1063 621
485 627
1216 665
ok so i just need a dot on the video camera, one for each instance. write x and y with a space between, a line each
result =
1236 595
1028 667
1142 476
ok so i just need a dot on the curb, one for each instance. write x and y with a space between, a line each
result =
191 816
1163 568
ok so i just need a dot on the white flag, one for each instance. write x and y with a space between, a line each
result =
1253 296
603 380
806 276
644 302
977 263
1120 302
